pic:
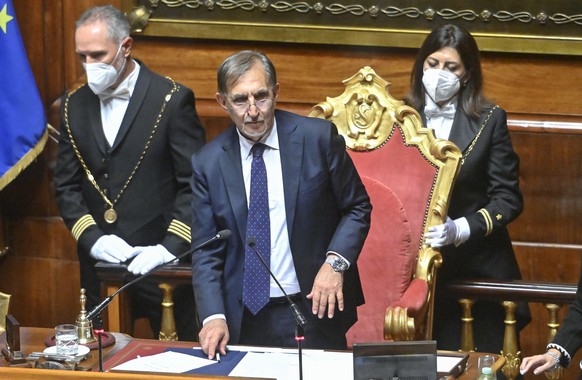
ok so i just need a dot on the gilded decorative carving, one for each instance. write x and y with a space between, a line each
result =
339 9
511 367
362 112
180 3
518 27
397 325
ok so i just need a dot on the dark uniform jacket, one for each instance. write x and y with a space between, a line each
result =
487 194
148 164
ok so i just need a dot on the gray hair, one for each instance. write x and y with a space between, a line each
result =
238 64
117 24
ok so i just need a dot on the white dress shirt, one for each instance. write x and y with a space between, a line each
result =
114 103
281 258
440 119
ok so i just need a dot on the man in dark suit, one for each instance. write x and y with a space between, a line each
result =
318 214
123 165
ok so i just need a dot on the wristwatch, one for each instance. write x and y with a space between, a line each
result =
337 264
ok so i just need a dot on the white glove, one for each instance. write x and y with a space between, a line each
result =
149 258
452 232
112 249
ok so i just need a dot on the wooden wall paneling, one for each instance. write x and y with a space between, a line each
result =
299 68
551 179
41 273
540 87
539 84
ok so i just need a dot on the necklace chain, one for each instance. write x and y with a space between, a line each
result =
477 136
90 176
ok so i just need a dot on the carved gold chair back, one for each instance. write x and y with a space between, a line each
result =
409 175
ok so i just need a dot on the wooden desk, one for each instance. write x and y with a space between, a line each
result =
32 340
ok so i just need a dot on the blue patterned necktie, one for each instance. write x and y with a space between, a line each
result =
256 277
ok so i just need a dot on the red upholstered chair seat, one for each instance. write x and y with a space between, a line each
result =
385 278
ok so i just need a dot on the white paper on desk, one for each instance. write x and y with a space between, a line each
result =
169 362
317 364
445 364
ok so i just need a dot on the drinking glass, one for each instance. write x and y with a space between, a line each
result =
487 361
67 339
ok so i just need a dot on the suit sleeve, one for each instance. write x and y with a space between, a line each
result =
187 136
352 200
505 201
208 264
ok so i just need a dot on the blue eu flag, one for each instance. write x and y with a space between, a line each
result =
23 127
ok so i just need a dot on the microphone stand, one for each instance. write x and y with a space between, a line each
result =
96 312
299 317
98 330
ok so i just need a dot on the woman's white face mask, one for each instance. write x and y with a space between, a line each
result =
440 85
101 76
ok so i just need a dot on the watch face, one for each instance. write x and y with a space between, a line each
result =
339 265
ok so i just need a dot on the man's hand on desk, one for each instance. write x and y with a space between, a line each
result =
214 335
327 291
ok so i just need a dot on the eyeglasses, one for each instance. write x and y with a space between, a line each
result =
262 102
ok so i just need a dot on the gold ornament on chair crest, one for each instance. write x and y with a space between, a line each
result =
368 121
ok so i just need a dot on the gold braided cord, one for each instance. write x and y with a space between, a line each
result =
90 176
181 229
478 135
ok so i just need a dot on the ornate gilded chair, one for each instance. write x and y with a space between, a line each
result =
409 175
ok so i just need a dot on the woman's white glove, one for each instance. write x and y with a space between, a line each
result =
451 232
149 258
112 249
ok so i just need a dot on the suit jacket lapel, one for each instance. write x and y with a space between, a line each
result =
231 167
135 103
464 131
95 123
291 145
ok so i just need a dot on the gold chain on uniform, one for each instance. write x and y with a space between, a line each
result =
110 214
478 134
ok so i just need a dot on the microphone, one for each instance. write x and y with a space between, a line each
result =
221 235
299 317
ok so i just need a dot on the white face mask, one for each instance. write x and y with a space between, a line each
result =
440 85
101 76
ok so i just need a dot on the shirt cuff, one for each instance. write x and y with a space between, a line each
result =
213 317
340 256
565 358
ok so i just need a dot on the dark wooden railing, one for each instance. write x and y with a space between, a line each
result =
552 295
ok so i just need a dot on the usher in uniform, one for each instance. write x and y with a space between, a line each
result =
137 187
